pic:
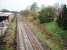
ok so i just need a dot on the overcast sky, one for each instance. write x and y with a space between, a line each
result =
22 4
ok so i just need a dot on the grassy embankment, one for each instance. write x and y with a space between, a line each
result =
10 36
51 34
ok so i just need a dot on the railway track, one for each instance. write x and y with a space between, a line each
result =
25 37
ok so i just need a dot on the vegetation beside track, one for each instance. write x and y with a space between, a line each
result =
49 25
9 38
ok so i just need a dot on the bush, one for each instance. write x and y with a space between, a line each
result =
44 19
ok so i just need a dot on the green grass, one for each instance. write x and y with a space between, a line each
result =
54 41
55 29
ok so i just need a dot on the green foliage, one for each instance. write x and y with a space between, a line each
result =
47 14
57 31
52 42
62 19
44 19
48 11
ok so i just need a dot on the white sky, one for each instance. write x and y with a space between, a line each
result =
22 4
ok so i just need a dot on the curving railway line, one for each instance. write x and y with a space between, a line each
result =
26 40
